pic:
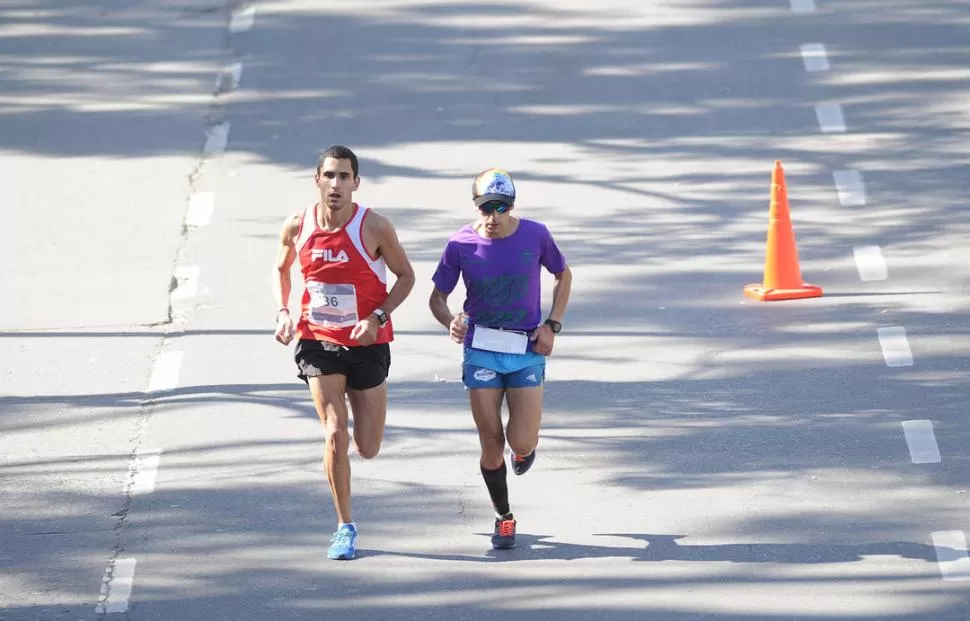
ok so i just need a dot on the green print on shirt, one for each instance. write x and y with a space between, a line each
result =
502 318
501 290
502 295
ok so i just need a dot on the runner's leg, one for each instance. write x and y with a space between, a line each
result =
328 398
486 405
524 396
367 391
370 413
525 417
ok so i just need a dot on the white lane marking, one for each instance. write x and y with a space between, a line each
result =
229 78
187 282
851 187
921 441
165 374
870 263
895 347
814 57
803 6
145 472
830 118
201 206
121 577
951 554
242 19
216 139
235 72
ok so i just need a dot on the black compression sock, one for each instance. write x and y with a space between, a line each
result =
498 488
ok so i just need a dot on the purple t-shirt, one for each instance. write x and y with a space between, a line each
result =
501 276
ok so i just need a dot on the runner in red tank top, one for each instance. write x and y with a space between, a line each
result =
344 329
343 281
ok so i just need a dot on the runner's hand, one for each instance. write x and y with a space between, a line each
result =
542 340
458 328
284 328
365 332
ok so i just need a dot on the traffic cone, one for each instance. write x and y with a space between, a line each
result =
783 278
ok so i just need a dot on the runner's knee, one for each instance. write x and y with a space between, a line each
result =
369 450
493 450
492 439
523 430
522 446
491 460
338 437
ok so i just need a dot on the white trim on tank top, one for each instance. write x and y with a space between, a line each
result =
353 228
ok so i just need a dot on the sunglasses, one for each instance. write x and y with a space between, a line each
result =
494 207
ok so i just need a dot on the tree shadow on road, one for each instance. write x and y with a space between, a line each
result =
657 548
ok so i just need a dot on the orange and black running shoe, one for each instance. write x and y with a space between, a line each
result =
521 465
504 536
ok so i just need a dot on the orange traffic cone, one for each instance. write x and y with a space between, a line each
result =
783 278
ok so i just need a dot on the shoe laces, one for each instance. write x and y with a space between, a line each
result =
343 537
506 528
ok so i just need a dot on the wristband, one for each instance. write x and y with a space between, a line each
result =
280 311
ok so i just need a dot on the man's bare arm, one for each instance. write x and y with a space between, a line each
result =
560 294
285 257
438 303
397 261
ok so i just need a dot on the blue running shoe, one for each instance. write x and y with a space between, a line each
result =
343 544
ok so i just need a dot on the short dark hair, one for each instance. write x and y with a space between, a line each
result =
339 152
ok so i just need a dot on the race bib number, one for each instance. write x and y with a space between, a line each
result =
502 341
332 306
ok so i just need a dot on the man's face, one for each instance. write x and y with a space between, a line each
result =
495 223
337 183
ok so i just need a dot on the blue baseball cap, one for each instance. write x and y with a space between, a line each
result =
493 184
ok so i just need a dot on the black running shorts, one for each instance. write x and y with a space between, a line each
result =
363 366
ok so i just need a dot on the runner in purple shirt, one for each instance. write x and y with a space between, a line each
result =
505 338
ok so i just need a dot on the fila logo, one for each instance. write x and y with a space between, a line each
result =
327 255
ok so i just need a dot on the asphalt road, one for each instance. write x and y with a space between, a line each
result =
703 456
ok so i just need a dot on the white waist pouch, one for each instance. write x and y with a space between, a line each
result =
501 341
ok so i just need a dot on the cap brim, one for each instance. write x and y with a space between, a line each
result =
485 198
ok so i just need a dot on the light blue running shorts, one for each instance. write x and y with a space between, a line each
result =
489 369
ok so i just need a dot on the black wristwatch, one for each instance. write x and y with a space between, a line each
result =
555 325
381 316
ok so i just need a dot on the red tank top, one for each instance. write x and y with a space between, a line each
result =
344 284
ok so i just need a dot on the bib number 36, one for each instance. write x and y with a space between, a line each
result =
332 306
